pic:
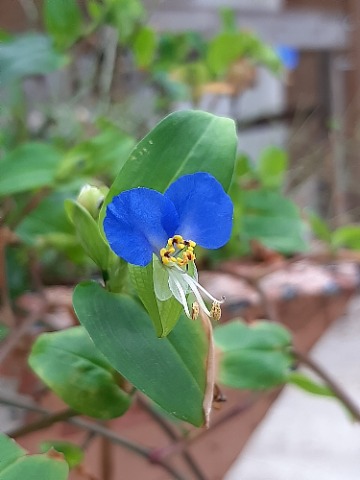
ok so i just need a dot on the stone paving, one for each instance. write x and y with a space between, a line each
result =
305 437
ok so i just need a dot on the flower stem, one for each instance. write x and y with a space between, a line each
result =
334 386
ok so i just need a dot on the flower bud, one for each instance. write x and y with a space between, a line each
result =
91 198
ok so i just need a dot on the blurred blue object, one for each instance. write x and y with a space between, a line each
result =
289 56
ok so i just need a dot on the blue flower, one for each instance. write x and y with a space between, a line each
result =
142 222
289 56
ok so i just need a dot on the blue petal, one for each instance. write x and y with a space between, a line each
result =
138 223
289 56
205 210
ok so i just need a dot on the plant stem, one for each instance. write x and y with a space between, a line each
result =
159 419
20 402
7 311
46 421
33 202
13 339
336 389
183 443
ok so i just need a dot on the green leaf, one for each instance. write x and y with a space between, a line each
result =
15 464
224 50
319 227
253 357
48 217
144 46
184 142
73 454
25 55
164 314
273 220
348 237
102 154
63 20
4 331
308 385
272 167
125 16
69 364
171 370
29 166
88 233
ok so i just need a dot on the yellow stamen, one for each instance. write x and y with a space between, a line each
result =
178 251
215 311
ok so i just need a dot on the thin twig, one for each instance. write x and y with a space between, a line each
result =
200 434
30 11
7 311
13 339
334 386
47 420
160 420
33 202
20 402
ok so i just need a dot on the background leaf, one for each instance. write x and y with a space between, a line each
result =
273 220
29 166
31 54
171 370
348 236
253 357
73 454
320 229
144 46
75 370
272 167
63 20
15 464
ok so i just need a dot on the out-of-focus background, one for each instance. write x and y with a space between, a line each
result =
79 88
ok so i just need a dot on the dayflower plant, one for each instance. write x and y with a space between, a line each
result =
143 225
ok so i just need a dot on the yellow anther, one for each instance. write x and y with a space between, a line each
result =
215 311
195 310
178 251
178 239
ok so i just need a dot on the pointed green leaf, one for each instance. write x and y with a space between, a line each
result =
171 370
144 46
63 20
272 167
184 142
273 220
88 233
73 454
348 236
15 464
74 369
253 357
163 313
25 55
320 228
29 166
309 385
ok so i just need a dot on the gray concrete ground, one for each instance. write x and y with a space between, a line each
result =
304 437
